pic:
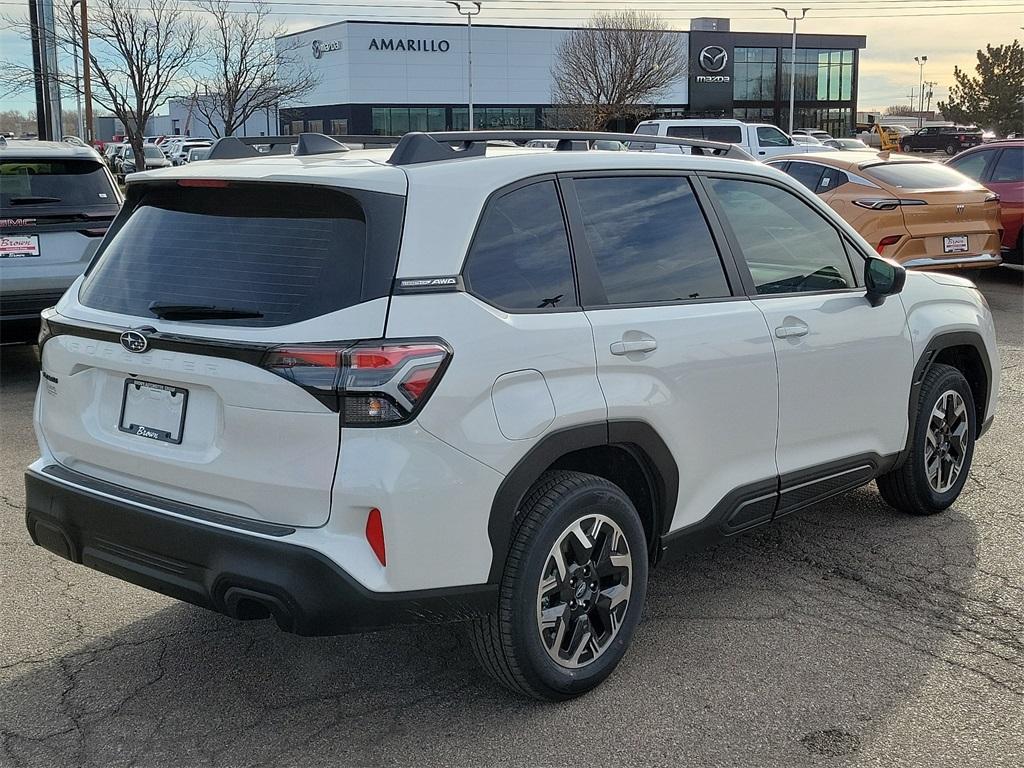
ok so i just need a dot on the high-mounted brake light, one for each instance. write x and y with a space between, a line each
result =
214 183
371 383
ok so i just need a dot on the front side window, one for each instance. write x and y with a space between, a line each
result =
787 245
769 136
520 257
649 240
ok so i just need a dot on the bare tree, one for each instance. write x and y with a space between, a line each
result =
616 66
900 110
140 51
242 72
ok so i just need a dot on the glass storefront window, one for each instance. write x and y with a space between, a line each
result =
316 126
754 74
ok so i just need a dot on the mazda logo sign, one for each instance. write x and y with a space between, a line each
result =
134 341
320 47
713 58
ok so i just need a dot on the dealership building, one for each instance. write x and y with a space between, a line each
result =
389 77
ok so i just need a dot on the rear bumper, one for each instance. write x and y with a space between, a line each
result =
966 262
243 574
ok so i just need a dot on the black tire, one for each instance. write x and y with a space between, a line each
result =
907 487
508 643
952 149
907 147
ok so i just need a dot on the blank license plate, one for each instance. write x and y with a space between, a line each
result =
156 411
955 244
18 246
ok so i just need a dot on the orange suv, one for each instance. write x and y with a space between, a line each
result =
921 213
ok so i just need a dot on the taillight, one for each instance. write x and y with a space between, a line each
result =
370 383
886 203
887 241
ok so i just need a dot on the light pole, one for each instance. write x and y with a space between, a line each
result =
792 64
469 10
78 85
921 61
928 103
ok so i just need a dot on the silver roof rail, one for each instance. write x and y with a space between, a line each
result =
419 147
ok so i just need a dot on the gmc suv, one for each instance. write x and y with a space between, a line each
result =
495 385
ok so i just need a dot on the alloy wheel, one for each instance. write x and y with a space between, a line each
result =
584 591
946 441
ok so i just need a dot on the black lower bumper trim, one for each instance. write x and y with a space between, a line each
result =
235 573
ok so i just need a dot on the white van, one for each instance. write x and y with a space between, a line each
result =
760 140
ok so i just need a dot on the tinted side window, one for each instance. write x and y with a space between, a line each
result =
831 179
649 239
788 246
1009 166
520 255
685 131
728 134
807 174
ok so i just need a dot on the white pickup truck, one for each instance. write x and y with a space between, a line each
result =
760 140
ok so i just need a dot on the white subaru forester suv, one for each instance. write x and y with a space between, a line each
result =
453 381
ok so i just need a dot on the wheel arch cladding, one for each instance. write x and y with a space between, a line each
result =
630 454
963 350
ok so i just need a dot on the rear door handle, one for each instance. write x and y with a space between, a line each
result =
791 331
633 345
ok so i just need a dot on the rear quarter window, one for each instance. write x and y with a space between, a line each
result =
289 252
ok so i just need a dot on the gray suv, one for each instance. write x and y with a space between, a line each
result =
56 202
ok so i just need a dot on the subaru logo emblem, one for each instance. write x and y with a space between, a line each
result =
134 341
713 58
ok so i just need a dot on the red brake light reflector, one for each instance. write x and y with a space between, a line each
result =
375 535
887 241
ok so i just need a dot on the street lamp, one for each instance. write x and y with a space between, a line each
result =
921 61
469 10
792 64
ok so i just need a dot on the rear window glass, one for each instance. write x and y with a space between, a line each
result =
918 175
153 151
287 252
58 183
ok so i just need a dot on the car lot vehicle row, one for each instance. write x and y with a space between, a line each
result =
453 381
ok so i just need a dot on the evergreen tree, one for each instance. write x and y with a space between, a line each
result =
994 97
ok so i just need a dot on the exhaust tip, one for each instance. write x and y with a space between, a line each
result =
250 605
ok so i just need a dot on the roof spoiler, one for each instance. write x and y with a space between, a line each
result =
235 147
450 145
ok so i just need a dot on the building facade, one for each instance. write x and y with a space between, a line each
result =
389 78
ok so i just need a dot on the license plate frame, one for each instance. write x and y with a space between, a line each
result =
955 244
142 399
19 247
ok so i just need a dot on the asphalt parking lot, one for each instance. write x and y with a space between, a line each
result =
849 635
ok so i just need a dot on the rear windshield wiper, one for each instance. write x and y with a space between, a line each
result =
32 200
167 311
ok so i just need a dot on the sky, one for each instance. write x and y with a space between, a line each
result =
948 32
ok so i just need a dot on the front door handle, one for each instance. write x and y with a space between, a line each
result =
791 331
625 347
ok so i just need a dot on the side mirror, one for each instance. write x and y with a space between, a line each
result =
883 278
